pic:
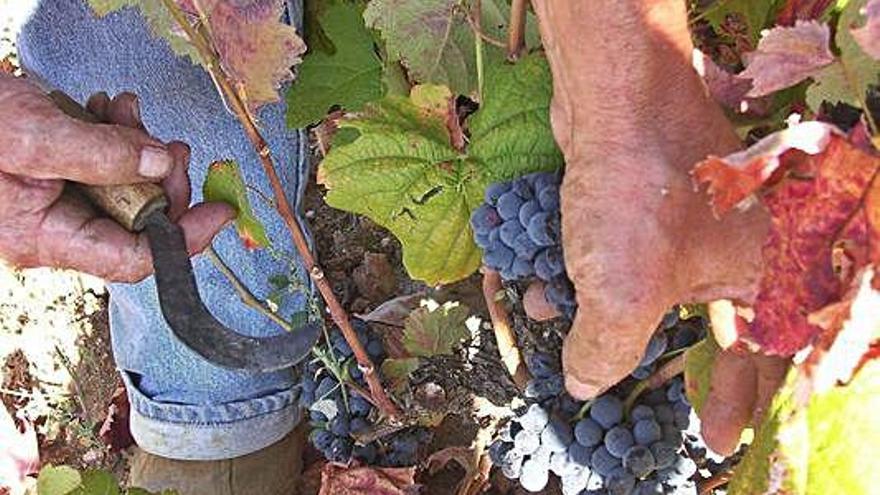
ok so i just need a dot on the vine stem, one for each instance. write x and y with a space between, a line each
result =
243 293
507 348
516 29
665 373
237 104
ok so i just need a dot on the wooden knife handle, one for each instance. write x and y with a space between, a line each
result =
128 204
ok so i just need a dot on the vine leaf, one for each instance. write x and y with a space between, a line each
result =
753 14
848 78
255 48
818 215
434 41
737 176
367 480
224 183
350 75
436 329
868 36
406 172
788 55
820 435
698 362
58 480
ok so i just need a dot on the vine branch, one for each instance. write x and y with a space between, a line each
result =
237 103
516 29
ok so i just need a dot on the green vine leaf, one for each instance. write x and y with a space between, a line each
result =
435 42
756 14
827 445
698 361
349 75
97 482
511 133
847 79
58 480
406 170
436 329
225 184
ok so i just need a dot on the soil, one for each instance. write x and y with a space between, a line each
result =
57 371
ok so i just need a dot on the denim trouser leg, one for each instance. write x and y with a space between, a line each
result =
182 406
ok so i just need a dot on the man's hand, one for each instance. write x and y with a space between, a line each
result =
632 118
41 148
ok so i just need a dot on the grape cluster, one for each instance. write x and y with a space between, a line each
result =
338 415
518 229
594 448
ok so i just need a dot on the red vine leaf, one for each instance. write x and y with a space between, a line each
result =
850 328
736 176
812 218
255 48
868 36
367 480
788 55
794 10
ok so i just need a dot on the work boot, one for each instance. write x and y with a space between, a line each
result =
275 470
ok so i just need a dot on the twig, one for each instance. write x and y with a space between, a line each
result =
239 108
243 293
516 29
666 372
715 481
74 379
507 347
472 19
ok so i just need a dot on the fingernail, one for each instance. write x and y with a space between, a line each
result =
155 162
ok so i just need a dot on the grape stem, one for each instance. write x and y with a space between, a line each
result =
719 479
669 370
236 100
507 348
244 294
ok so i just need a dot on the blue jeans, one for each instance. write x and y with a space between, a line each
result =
182 406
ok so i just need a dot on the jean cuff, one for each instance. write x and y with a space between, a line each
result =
210 432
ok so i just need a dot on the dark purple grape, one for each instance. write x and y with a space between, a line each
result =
549 198
588 432
539 229
494 191
498 256
603 462
509 231
557 436
607 410
524 247
639 461
527 211
618 440
541 365
508 206
647 431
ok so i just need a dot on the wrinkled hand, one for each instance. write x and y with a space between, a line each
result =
41 148
632 118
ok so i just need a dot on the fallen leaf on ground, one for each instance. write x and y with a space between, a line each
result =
367 480
788 55
395 311
114 430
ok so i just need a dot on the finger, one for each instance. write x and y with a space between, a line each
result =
72 237
602 347
728 406
42 142
98 104
536 305
771 372
125 110
177 185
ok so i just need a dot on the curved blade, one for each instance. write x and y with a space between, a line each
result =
196 328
